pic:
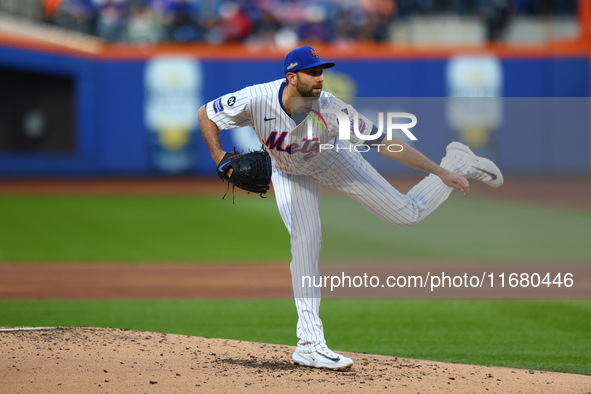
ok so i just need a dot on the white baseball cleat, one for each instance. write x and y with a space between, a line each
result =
323 358
483 169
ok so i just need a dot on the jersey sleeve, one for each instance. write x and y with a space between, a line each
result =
231 111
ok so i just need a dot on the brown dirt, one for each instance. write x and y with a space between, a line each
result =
100 360
560 192
144 281
112 360
247 281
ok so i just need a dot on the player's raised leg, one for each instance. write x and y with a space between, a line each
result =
357 178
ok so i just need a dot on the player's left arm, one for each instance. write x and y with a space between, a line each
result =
411 157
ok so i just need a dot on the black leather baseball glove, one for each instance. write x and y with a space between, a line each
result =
251 171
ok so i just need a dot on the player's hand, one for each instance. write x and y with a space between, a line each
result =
457 181
218 158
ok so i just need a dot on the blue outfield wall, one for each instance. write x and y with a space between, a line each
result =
112 138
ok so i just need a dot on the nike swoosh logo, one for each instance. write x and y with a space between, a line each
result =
492 176
268 119
336 359
222 166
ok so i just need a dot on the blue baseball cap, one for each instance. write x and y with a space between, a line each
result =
302 58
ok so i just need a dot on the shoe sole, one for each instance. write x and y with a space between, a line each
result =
321 365
488 166
324 366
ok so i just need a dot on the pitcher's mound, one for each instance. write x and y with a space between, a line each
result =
75 360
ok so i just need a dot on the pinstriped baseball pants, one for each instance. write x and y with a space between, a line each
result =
298 198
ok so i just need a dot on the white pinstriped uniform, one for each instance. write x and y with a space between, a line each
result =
298 179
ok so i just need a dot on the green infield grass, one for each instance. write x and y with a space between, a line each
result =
543 335
209 230
140 229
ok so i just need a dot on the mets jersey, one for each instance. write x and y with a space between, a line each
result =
292 141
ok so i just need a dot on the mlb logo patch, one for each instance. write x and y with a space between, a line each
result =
218 106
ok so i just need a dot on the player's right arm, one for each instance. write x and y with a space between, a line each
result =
211 135
226 112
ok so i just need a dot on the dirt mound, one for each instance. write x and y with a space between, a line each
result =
47 360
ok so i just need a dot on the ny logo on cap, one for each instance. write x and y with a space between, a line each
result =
314 53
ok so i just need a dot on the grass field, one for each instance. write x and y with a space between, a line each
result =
196 230
549 335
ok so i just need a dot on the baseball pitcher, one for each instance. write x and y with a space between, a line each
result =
279 112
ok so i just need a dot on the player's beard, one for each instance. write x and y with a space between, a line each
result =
308 91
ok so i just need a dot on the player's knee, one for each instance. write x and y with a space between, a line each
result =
310 236
399 220
408 221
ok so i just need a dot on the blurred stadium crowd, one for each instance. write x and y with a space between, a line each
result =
264 21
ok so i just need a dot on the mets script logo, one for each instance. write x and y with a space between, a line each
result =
308 146
276 141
